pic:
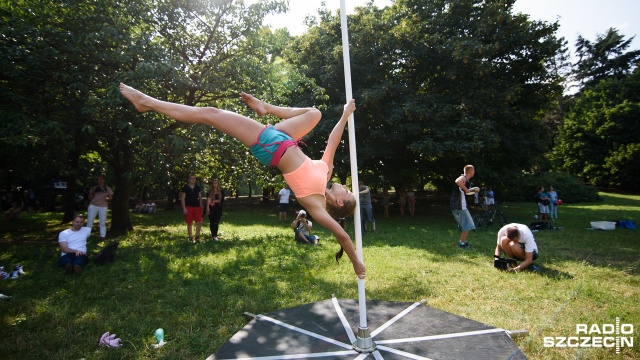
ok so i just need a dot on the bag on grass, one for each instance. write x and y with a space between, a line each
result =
502 263
627 224
536 225
107 254
499 262
541 225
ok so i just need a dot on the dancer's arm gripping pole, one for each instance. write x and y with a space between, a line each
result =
354 159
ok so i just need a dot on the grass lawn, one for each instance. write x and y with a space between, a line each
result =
198 292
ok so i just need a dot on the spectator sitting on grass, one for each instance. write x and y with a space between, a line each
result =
73 243
150 207
140 207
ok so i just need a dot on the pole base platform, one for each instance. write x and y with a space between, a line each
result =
364 343
400 330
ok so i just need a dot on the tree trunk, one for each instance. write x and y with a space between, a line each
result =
143 193
69 202
120 217
172 198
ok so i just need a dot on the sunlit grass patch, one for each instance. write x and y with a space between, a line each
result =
198 292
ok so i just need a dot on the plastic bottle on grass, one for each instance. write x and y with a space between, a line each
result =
159 334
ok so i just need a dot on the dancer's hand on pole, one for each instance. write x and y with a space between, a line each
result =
350 107
359 268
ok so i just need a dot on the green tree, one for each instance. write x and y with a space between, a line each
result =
216 50
58 62
197 53
605 58
440 84
598 141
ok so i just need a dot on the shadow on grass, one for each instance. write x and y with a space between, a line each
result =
553 273
198 292
31 227
193 291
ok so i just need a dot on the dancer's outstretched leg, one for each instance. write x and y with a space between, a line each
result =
244 129
299 121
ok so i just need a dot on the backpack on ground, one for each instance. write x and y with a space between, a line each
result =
107 254
502 263
541 225
626 224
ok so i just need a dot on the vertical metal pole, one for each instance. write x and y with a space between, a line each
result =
364 342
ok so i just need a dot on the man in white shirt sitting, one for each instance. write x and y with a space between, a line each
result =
73 243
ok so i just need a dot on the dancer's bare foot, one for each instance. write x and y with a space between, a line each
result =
256 105
136 97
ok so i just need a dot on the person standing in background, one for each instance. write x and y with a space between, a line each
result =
543 201
366 208
476 201
489 200
283 202
386 200
191 200
459 207
401 200
99 197
215 201
553 208
411 199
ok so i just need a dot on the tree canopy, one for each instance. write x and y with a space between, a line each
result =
63 64
442 84
605 58
599 138
438 84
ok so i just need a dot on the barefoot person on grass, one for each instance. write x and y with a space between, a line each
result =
277 145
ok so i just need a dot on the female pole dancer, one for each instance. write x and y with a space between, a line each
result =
277 145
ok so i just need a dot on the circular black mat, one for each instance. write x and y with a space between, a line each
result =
324 330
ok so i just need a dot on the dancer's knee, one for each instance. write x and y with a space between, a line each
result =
314 114
208 112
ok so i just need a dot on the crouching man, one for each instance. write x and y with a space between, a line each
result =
73 243
302 228
517 242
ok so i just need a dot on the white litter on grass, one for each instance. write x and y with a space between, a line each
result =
603 225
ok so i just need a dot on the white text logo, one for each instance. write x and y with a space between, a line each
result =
595 336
